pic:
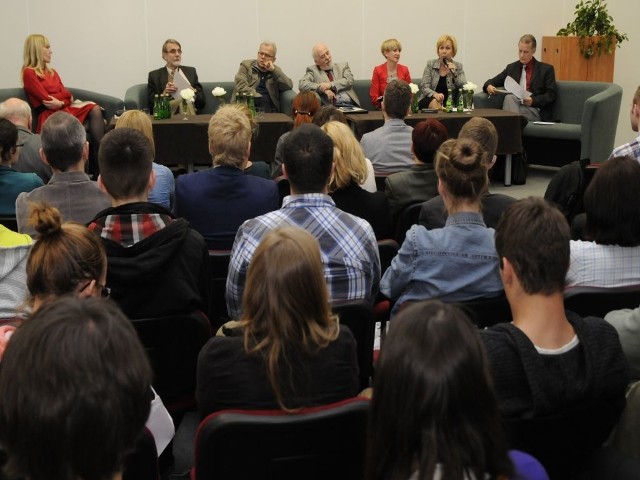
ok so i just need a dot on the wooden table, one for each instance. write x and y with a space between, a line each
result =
509 126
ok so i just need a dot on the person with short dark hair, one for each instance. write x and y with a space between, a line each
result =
70 190
12 182
77 407
631 149
389 147
348 245
434 412
549 363
158 265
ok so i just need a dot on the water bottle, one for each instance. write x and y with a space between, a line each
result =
460 101
156 107
449 104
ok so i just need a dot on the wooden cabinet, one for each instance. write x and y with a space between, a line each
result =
564 54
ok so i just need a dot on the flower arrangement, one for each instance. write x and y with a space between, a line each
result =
188 94
219 93
414 97
469 88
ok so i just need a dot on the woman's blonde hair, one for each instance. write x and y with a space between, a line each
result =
389 45
138 120
448 38
32 54
286 313
350 165
461 165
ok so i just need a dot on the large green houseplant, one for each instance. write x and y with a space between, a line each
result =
593 20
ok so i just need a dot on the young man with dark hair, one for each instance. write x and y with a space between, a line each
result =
348 244
549 365
389 147
157 264
70 190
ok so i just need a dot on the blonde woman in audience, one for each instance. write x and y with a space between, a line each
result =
389 70
288 350
459 261
163 192
350 171
441 74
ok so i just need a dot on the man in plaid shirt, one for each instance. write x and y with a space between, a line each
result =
631 149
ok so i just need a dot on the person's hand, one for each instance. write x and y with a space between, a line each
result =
491 90
270 66
330 95
5 334
439 97
53 103
527 102
325 86
450 65
170 88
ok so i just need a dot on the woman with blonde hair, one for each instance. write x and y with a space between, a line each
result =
163 192
441 74
390 70
288 350
349 173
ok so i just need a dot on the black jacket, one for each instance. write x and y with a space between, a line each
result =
158 80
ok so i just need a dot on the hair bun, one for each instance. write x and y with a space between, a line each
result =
45 219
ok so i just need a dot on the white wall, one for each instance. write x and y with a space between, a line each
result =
109 46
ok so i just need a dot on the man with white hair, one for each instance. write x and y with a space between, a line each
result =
18 112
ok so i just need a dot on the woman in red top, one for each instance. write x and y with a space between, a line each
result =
390 70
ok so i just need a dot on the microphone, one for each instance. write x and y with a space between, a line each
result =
448 62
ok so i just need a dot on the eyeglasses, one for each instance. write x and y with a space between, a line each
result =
265 55
173 51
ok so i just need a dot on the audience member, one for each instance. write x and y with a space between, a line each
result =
70 190
537 78
158 265
457 262
389 147
388 71
631 149
332 81
560 379
263 76
14 249
75 408
348 246
434 411
610 255
288 350
216 201
433 214
349 172
420 182
163 192
258 168
441 75
18 112
164 81
12 182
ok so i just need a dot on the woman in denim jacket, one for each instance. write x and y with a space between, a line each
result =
457 262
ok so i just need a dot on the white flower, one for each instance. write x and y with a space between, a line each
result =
469 87
219 92
414 88
188 94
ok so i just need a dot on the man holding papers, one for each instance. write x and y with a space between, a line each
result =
531 90
174 77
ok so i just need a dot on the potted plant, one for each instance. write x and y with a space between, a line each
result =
594 26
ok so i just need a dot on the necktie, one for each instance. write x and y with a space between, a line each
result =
523 77
330 75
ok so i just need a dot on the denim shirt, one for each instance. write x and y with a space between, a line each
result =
163 192
455 263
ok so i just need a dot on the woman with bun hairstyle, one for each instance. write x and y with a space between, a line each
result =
459 261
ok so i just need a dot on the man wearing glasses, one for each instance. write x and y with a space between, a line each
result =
263 77
174 77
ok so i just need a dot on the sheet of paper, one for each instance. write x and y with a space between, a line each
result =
514 87
181 82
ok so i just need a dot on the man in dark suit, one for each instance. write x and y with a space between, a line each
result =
163 80
536 77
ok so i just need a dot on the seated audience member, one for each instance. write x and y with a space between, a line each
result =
434 215
163 80
303 108
77 407
536 77
420 182
457 262
14 250
260 168
610 255
627 323
347 243
434 411
349 172
163 192
560 379
70 190
263 76
389 147
388 71
631 149
333 82
216 201
18 112
288 350
158 265
12 182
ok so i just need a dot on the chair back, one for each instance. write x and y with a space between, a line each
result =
486 312
135 98
360 318
387 249
172 344
598 301
219 268
314 443
10 222
407 218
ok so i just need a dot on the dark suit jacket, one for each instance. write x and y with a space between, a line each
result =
158 80
433 214
542 88
418 184
218 200
372 207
